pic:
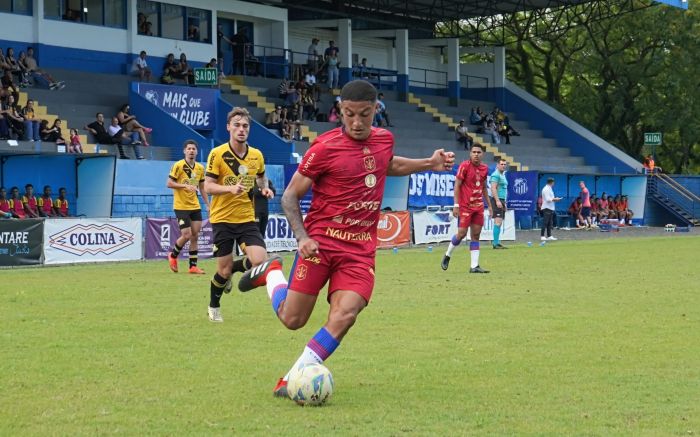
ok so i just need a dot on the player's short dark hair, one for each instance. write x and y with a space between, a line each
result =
238 112
550 180
358 91
46 186
479 145
28 185
188 142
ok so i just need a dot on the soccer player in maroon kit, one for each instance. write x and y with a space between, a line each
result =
470 191
346 169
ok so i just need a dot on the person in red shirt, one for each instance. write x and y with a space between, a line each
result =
585 205
16 205
346 169
470 191
45 203
575 212
4 204
60 205
29 202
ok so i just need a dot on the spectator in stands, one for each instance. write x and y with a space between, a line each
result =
192 33
170 68
548 210
287 129
312 84
312 60
32 130
141 23
16 205
75 146
9 88
474 117
15 68
239 43
45 203
293 103
310 110
4 64
612 208
330 49
506 131
262 211
29 202
333 64
123 137
491 130
130 124
363 69
140 67
219 38
603 207
650 165
575 212
595 213
13 117
296 131
4 125
184 71
60 205
463 137
274 120
334 113
149 29
52 134
98 130
4 204
38 74
382 113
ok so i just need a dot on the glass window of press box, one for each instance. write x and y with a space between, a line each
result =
23 7
173 21
109 13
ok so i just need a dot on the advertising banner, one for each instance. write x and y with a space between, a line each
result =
394 229
88 240
434 227
522 192
162 233
194 107
278 234
304 202
431 188
20 242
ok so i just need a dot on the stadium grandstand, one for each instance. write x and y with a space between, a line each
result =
86 63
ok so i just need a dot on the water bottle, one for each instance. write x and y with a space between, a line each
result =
430 248
543 243
529 244
395 250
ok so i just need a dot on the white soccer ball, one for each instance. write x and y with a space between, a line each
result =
310 384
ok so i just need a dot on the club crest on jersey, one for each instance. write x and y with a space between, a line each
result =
370 163
300 274
242 170
370 180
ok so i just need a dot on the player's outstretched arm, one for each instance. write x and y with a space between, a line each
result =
298 186
440 161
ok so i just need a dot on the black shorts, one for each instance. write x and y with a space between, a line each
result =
498 212
228 235
585 211
185 217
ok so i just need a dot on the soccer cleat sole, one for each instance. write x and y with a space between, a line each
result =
256 277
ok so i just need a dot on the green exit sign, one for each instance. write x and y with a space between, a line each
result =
205 76
652 138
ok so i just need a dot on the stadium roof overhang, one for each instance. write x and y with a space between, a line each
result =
485 17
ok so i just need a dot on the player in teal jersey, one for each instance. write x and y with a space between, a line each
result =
498 192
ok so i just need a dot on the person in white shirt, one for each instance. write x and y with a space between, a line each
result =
140 67
312 84
548 211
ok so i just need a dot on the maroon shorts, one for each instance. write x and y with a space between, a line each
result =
470 216
342 271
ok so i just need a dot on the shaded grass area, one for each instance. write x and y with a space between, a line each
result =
575 338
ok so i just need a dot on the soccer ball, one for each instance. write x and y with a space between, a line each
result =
310 384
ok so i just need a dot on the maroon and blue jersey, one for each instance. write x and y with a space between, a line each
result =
471 192
348 185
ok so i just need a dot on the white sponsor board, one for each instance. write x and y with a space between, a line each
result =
278 235
90 240
434 227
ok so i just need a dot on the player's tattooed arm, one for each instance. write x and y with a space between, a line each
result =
264 185
297 188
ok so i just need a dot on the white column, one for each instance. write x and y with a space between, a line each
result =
402 51
344 42
453 60
499 67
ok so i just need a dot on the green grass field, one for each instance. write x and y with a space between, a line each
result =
576 338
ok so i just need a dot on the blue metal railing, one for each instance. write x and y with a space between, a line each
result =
480 80
427 78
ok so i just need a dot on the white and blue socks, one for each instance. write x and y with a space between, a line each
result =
453 243
474 252
317 350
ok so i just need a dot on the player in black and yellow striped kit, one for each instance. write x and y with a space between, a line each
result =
186 178
232 169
